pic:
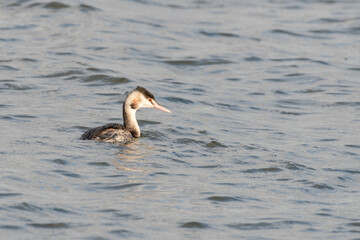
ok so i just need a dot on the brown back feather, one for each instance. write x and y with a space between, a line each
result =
96 132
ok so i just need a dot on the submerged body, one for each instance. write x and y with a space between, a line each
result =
114 132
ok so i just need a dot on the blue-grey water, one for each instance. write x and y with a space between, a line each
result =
263 141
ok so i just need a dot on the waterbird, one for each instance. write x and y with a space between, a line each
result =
114 132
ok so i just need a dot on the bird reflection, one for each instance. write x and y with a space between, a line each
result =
132 153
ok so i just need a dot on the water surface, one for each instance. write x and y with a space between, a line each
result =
262 142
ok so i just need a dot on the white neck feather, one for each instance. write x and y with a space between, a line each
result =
129 116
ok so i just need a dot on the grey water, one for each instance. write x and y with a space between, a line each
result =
263 141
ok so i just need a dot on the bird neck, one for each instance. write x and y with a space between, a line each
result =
130 122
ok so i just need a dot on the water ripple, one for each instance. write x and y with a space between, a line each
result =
19 27
267 225
253 59
299 60
285 32
59 225
17 87
121 232
353 145
62 211
10 40
263 170
27 207
219 34
63 74
188 141
337 20
322 186
354 224
214 144
195 63
354 69
350 171
122 186
10 227
297 167
193 224
224 199
67 173
8 68
88 8
179 100
57 6
105 164
104 79
2 195
59 161
349 103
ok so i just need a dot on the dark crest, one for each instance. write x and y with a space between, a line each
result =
146 93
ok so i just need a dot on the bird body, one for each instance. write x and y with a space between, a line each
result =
114 132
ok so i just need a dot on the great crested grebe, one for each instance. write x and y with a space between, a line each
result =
114 132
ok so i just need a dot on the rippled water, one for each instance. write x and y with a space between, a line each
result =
263 141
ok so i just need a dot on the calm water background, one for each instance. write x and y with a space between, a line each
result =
263 141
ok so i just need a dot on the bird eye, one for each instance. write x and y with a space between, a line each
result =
150 100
